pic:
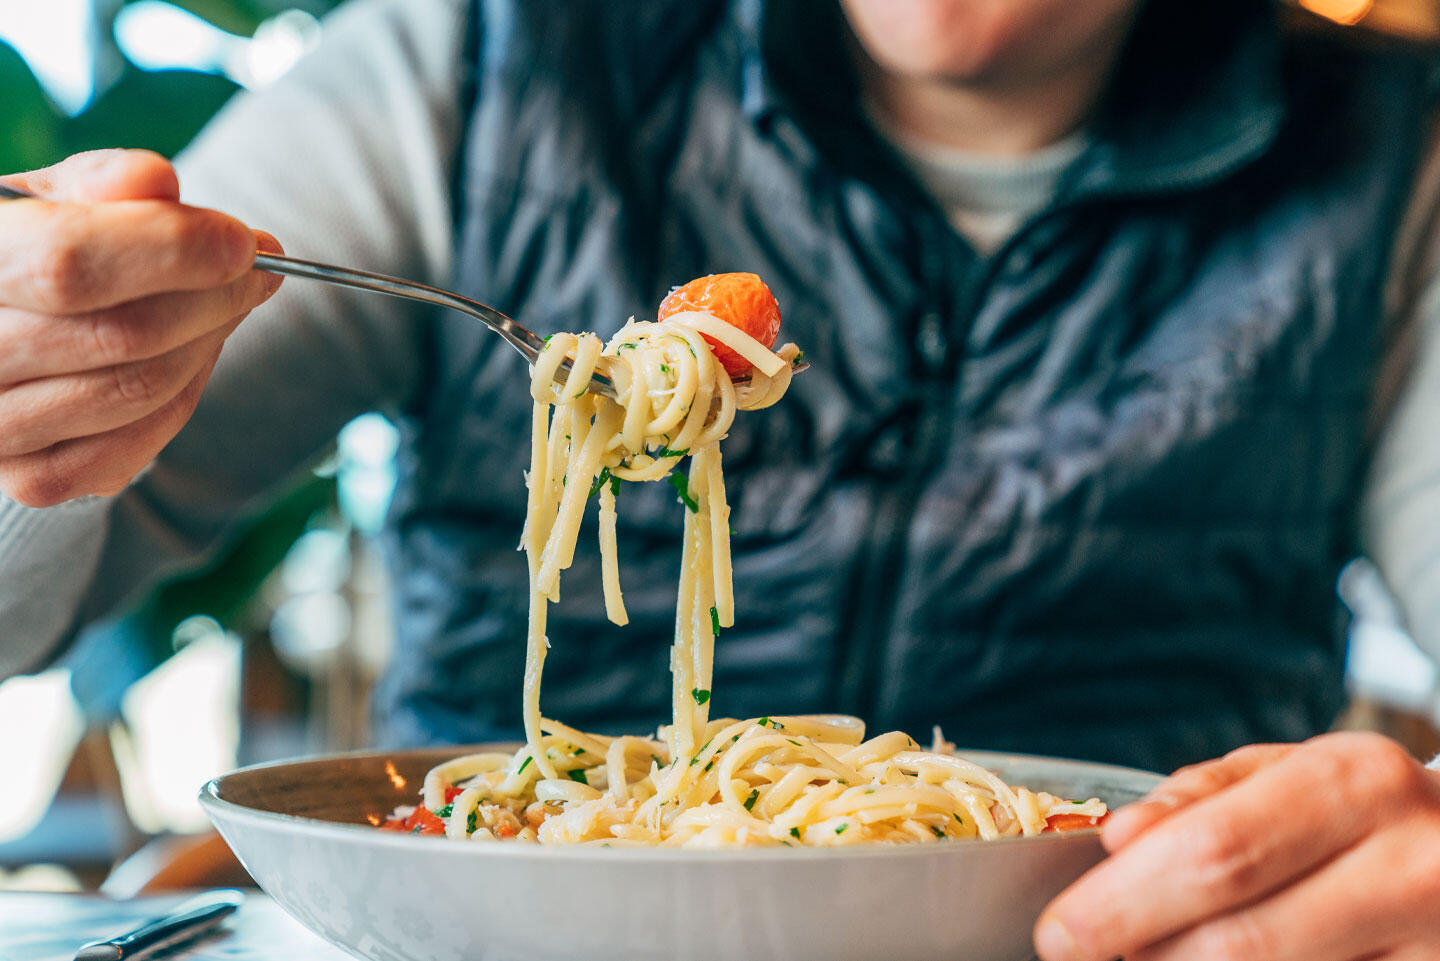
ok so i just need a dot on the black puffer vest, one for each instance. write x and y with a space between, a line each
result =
1086 496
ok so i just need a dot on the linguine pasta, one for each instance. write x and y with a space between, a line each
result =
700 782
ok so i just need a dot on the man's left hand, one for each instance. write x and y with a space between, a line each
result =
1322 851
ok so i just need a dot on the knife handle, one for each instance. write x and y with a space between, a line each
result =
187 921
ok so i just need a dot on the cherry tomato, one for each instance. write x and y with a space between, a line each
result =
1057 823
427 822
741 300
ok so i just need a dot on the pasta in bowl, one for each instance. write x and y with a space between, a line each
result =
306 832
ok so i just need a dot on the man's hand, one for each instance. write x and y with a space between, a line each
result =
115 300
1323 851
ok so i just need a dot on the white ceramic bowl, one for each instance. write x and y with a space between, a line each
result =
301 830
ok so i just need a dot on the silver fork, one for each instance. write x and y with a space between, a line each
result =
523 340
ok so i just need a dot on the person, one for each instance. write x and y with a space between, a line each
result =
1102 301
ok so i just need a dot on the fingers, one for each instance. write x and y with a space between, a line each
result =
1212 855
43 346
104 463
1356 906
41 413
101 175
65 259
1185 787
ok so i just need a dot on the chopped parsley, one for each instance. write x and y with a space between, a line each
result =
470 822
665 369
522 768
714 622
667 452
682 487
577 774
767 722
600 481
656 759
794 832
574 751
750 801
445 811
710 765
939 832
841 828
700 694
798 359
793 741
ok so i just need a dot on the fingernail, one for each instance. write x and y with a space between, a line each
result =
1053 941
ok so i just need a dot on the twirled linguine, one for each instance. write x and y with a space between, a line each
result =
699 782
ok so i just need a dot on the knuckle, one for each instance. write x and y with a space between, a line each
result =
134 383
117 335
1227 861
61 274
1234 938
1362 760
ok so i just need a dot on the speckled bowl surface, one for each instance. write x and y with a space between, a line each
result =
301 830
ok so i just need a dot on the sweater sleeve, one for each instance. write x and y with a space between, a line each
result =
345 159
1401 510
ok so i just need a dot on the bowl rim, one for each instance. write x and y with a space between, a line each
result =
216 806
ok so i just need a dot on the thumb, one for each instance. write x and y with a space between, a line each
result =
100 175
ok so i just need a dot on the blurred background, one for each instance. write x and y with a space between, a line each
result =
270 651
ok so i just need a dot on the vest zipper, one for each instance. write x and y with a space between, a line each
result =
871 610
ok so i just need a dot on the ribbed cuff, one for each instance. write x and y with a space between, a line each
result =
47 558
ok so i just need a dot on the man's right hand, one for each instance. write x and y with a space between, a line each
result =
115 300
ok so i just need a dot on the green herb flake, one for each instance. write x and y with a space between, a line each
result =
939 832
794 832
577 774
682 487
445 811
841 828
522 768
656 759
750 801
707 767
714 622
700 695
793 741
470 822
665 369
574 751
600 481
799 359
667 452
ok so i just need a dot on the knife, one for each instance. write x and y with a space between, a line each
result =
186 921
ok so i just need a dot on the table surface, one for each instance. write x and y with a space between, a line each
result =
52 927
